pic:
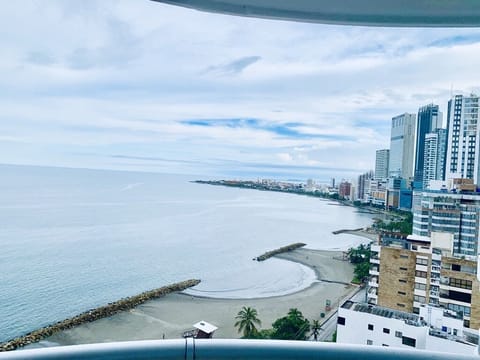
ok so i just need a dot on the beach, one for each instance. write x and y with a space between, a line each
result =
168 317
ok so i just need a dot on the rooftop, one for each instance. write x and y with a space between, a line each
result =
408 318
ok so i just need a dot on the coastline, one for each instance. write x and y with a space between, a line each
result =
168 317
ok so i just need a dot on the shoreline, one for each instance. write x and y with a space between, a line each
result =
95 314
171 315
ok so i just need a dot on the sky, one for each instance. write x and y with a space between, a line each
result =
142 86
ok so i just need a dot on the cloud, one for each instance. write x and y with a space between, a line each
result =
288 129
234 67
40 58
178 90
464 39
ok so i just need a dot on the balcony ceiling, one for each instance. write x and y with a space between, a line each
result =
392 13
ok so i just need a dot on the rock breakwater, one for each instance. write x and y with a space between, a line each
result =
96 314
283 249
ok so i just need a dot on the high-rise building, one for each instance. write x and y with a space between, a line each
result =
344 189
409 272
454 213
381 164
402 146
429 118
363 185
463 155
434 156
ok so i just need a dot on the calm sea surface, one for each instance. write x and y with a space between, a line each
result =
71 240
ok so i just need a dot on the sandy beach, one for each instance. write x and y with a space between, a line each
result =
169 316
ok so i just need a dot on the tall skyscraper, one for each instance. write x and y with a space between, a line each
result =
463 154
402 146
429 118
381 163
434 156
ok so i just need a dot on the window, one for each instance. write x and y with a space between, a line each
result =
403 268
460 283
341 320
420 299
398 334
370 327
422 274
400 305
385 345
369 342
386 331
460 296
402 280
401 293
409 341
420 286
421 261
402 256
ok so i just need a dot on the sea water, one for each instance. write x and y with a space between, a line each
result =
75 239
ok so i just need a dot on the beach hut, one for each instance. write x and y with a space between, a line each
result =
204 329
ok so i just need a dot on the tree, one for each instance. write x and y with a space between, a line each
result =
291 327
361 271
246 320
315 329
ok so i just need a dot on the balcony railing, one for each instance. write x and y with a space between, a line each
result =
227 349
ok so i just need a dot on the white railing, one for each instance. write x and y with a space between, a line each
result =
182 349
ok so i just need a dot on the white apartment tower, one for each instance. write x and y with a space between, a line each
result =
402 146
463 155
435 148
381 164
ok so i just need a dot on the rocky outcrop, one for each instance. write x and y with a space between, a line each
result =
283 249
95 314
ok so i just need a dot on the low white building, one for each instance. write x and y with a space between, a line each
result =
433 329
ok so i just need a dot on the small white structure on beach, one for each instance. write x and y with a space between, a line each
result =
204 329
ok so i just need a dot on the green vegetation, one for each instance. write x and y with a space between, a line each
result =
334 336
246 320
360 256
293 326
403 225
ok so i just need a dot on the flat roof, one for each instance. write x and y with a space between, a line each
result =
205 327
408 318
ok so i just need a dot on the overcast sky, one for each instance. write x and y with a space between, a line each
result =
139 85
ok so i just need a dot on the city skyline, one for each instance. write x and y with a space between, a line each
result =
151 87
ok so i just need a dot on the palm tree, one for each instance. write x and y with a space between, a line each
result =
295 314
315 329
246 320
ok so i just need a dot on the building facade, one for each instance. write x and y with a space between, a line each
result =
408 273
381 164
448 212
463 159
432 329
402 146
435 153
429 118
363 185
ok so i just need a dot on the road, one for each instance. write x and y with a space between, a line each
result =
330 325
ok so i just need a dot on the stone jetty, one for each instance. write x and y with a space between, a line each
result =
95 314
283 249
345 231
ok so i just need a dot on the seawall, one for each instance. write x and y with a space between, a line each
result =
283 249
95 314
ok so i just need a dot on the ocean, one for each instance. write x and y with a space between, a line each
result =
75 239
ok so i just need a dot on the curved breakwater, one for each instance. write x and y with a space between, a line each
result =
281 250
96 314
